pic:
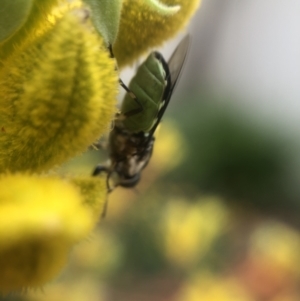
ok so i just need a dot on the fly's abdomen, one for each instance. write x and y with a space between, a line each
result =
148 86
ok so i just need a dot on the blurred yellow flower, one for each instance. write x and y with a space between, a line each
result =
169 148
40 220
84 288
277 244
207 287
190 228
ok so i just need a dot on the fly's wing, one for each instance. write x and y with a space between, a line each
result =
173 69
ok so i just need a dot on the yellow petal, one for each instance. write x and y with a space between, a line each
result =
94 193
56 98
40 220
143 27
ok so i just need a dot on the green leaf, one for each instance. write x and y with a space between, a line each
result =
106 17
13 15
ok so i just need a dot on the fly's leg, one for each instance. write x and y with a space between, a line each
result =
131 94
109 176
97 171
100 169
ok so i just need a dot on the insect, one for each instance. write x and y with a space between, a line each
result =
132 138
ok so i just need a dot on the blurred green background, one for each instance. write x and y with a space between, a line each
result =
216 216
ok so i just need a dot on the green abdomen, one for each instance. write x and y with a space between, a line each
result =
148 85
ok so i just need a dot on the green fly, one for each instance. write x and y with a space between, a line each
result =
132 137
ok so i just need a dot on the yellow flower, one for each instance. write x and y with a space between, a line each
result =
277 244
205 286
56 98
169 148
143 27
94 193
40 220
189 229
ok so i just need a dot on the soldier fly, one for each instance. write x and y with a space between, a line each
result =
132 137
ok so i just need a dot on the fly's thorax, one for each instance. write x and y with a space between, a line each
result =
117 143
129 152
133 164
123 143
148 85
